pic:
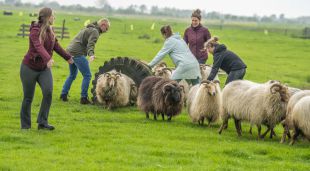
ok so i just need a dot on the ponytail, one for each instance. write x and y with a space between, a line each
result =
166 31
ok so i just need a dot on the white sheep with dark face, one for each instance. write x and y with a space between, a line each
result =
114 89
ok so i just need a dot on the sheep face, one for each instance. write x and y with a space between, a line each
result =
282 90
163 72
172 93
112 79
210 87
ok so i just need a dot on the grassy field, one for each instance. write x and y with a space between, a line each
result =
92 138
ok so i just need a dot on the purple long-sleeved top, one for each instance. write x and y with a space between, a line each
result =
39 54
195 37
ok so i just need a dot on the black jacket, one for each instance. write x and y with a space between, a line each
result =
226 60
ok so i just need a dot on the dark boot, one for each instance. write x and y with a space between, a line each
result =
46 127
84 100
64 97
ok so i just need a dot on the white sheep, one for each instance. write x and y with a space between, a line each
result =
301 119
288 122
114 89
257 103
204 102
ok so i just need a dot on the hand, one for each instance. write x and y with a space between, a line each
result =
70 61
91 58
50 63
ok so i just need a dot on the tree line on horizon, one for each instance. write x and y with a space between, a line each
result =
104 6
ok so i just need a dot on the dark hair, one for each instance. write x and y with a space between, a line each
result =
197 14
166 31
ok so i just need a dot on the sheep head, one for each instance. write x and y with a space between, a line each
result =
172 93
112 78
163 72
277 87
210 86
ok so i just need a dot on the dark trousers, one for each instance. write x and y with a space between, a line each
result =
235 75
29 78
190 81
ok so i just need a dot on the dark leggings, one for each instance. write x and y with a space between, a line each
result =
29 78
235 75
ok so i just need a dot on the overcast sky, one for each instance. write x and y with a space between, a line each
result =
291 8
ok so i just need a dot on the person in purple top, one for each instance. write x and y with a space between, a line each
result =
36 68
195 36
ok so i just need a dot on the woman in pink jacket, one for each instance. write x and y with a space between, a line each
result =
36 68
195 36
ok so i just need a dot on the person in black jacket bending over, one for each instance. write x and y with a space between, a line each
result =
226 60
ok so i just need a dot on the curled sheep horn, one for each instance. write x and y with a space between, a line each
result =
118 74
164 69
272 88
205 81
166 87
107 74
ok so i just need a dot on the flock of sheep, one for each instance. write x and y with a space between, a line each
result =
266 104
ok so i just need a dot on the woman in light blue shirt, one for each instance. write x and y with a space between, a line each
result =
186 64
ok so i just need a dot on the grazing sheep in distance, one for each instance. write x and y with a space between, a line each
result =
257 103
301 119
160 96
204 102
114 89
288 122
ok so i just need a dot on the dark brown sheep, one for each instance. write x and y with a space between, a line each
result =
160 96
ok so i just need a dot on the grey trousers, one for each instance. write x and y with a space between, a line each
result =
29 78
235 75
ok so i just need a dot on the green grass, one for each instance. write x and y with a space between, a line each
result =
92 138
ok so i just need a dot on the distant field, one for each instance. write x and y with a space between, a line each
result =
92 138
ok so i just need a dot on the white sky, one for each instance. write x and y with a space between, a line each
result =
291 8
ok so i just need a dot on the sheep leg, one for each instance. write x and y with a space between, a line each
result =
288 133
169 117
237 126
272 133
285 132
259 130
296 134
225 123
250 131
155 116
163 116
265 133
147 115
202 120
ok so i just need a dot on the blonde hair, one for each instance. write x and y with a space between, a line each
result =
211 42
104 20
43 19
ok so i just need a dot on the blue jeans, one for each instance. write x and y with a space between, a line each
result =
81 64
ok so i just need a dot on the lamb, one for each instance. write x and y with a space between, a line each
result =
114 89
288 122
301 119
160 96
204 102
205 71
257 103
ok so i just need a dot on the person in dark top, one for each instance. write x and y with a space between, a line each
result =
226 60
83 45
195 36
36 68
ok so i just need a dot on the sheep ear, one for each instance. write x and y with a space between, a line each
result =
275 88
118 75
